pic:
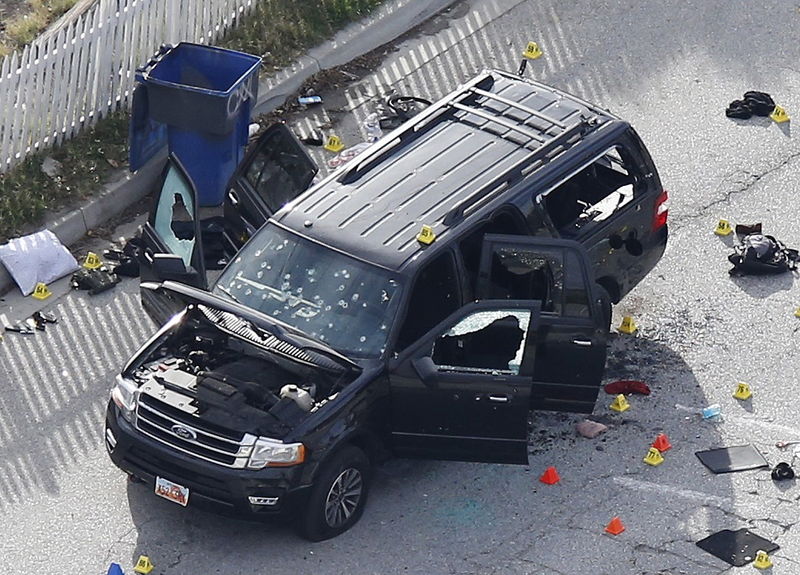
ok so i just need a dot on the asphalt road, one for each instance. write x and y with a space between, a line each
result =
670 68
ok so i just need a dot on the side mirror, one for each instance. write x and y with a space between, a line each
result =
425 368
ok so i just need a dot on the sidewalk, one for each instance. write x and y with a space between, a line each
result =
390 21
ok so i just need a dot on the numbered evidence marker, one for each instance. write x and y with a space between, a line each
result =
334 144
532 51
41 291
426 235
779 115
723 228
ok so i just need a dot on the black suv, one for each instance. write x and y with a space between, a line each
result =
418 302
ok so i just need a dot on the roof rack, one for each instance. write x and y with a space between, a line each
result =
470 98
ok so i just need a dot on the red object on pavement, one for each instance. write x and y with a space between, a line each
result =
662 443
627 386
615 526
550 476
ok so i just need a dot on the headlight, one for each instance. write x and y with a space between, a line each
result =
273 453
124 396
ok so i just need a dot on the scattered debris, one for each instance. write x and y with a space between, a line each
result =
21 328
95 281
348 155
550 476
313 139
128 258
753 103
736 548
782 471
615 526
713 412
745 229
759 254
252 129
115 569
309 100
785 444
627 386
729 459
51 167
590 429
372 127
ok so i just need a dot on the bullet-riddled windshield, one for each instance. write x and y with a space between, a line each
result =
347 304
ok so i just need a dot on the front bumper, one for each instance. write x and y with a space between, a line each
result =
212 487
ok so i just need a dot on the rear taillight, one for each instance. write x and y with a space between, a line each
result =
660 211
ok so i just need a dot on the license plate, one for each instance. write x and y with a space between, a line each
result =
172 491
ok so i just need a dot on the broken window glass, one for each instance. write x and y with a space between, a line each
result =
345 303
593 194
173 215
485 341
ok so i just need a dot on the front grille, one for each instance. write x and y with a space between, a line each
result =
155 419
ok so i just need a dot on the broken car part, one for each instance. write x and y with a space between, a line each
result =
729 459
736 548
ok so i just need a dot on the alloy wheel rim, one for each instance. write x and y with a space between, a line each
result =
343 497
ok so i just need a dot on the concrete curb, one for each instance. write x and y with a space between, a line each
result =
389 22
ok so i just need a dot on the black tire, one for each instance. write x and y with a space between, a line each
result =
338 496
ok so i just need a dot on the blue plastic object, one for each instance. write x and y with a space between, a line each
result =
204 95
711 411
115 569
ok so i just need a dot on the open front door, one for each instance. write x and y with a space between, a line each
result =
172 246
276 170
462 393
571 339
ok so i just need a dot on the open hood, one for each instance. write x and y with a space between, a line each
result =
191 295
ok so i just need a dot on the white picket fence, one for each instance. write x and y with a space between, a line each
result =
65 82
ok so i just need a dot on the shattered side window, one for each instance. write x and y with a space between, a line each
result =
345 303
527 273
485 341
173 220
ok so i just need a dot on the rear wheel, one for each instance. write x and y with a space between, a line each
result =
338 496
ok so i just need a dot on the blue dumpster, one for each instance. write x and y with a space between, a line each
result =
204 96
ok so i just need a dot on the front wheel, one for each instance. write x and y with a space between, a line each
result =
338 496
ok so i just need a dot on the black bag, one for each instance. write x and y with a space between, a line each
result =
759 255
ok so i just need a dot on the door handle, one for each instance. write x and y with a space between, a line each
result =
582 342
148 255
233 197
498 398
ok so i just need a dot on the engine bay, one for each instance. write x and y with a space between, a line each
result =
231 383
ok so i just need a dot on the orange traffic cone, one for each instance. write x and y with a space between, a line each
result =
550 476
615 526
662 443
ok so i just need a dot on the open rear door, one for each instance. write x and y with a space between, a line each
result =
571 339
275 171
172 241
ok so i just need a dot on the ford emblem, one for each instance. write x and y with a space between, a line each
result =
183 432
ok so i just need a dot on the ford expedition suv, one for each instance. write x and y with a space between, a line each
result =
417 302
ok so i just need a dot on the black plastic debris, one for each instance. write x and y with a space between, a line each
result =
752 103
736 548
401 108
21 328
782 472
729 459
95 281
760 254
